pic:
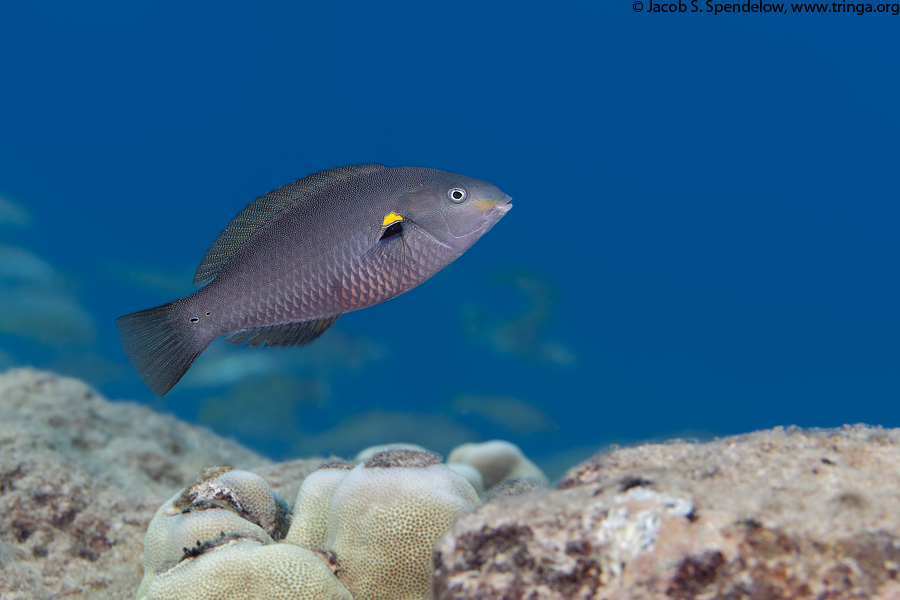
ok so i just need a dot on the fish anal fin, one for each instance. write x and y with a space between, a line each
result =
292 334
259 212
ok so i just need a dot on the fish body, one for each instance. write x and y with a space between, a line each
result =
295 259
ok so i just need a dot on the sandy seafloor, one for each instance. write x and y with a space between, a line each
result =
703 239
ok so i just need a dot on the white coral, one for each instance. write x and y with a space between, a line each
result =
385 520
497 460
373 525
309 525
248 570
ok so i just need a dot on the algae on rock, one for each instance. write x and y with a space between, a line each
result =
80 478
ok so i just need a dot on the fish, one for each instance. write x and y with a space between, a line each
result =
297 258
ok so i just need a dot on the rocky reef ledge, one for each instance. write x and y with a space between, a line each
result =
783 513
80 479
776 514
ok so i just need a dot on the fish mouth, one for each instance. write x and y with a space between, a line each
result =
498 205
491 210
503 205
494 205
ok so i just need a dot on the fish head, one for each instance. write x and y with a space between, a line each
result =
455 209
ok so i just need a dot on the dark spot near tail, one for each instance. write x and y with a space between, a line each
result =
195 319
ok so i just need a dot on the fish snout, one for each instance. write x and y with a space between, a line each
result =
501 205
504 204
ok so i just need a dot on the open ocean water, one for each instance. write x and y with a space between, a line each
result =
704 238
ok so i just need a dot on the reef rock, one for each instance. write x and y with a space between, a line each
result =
784 513
80 479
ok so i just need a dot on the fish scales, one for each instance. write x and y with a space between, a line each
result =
301 258
297 258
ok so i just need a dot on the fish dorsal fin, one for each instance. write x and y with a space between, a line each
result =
293 334
260 211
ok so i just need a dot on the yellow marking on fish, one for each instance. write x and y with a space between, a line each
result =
484 205
390 219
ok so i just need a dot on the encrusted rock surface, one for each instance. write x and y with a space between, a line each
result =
782 513
80 479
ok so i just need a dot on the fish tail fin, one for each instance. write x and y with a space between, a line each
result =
159 344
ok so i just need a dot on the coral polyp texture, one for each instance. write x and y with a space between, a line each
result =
309 526
217 540
242 569
385 517
365 532
222 506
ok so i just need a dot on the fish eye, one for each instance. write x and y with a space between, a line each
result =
457 194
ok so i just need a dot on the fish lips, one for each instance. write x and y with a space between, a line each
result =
497 209
503 205
493 210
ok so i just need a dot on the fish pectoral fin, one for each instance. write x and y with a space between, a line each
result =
292 334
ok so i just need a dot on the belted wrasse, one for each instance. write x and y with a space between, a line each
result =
294 260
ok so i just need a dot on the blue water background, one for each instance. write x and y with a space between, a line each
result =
704 238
